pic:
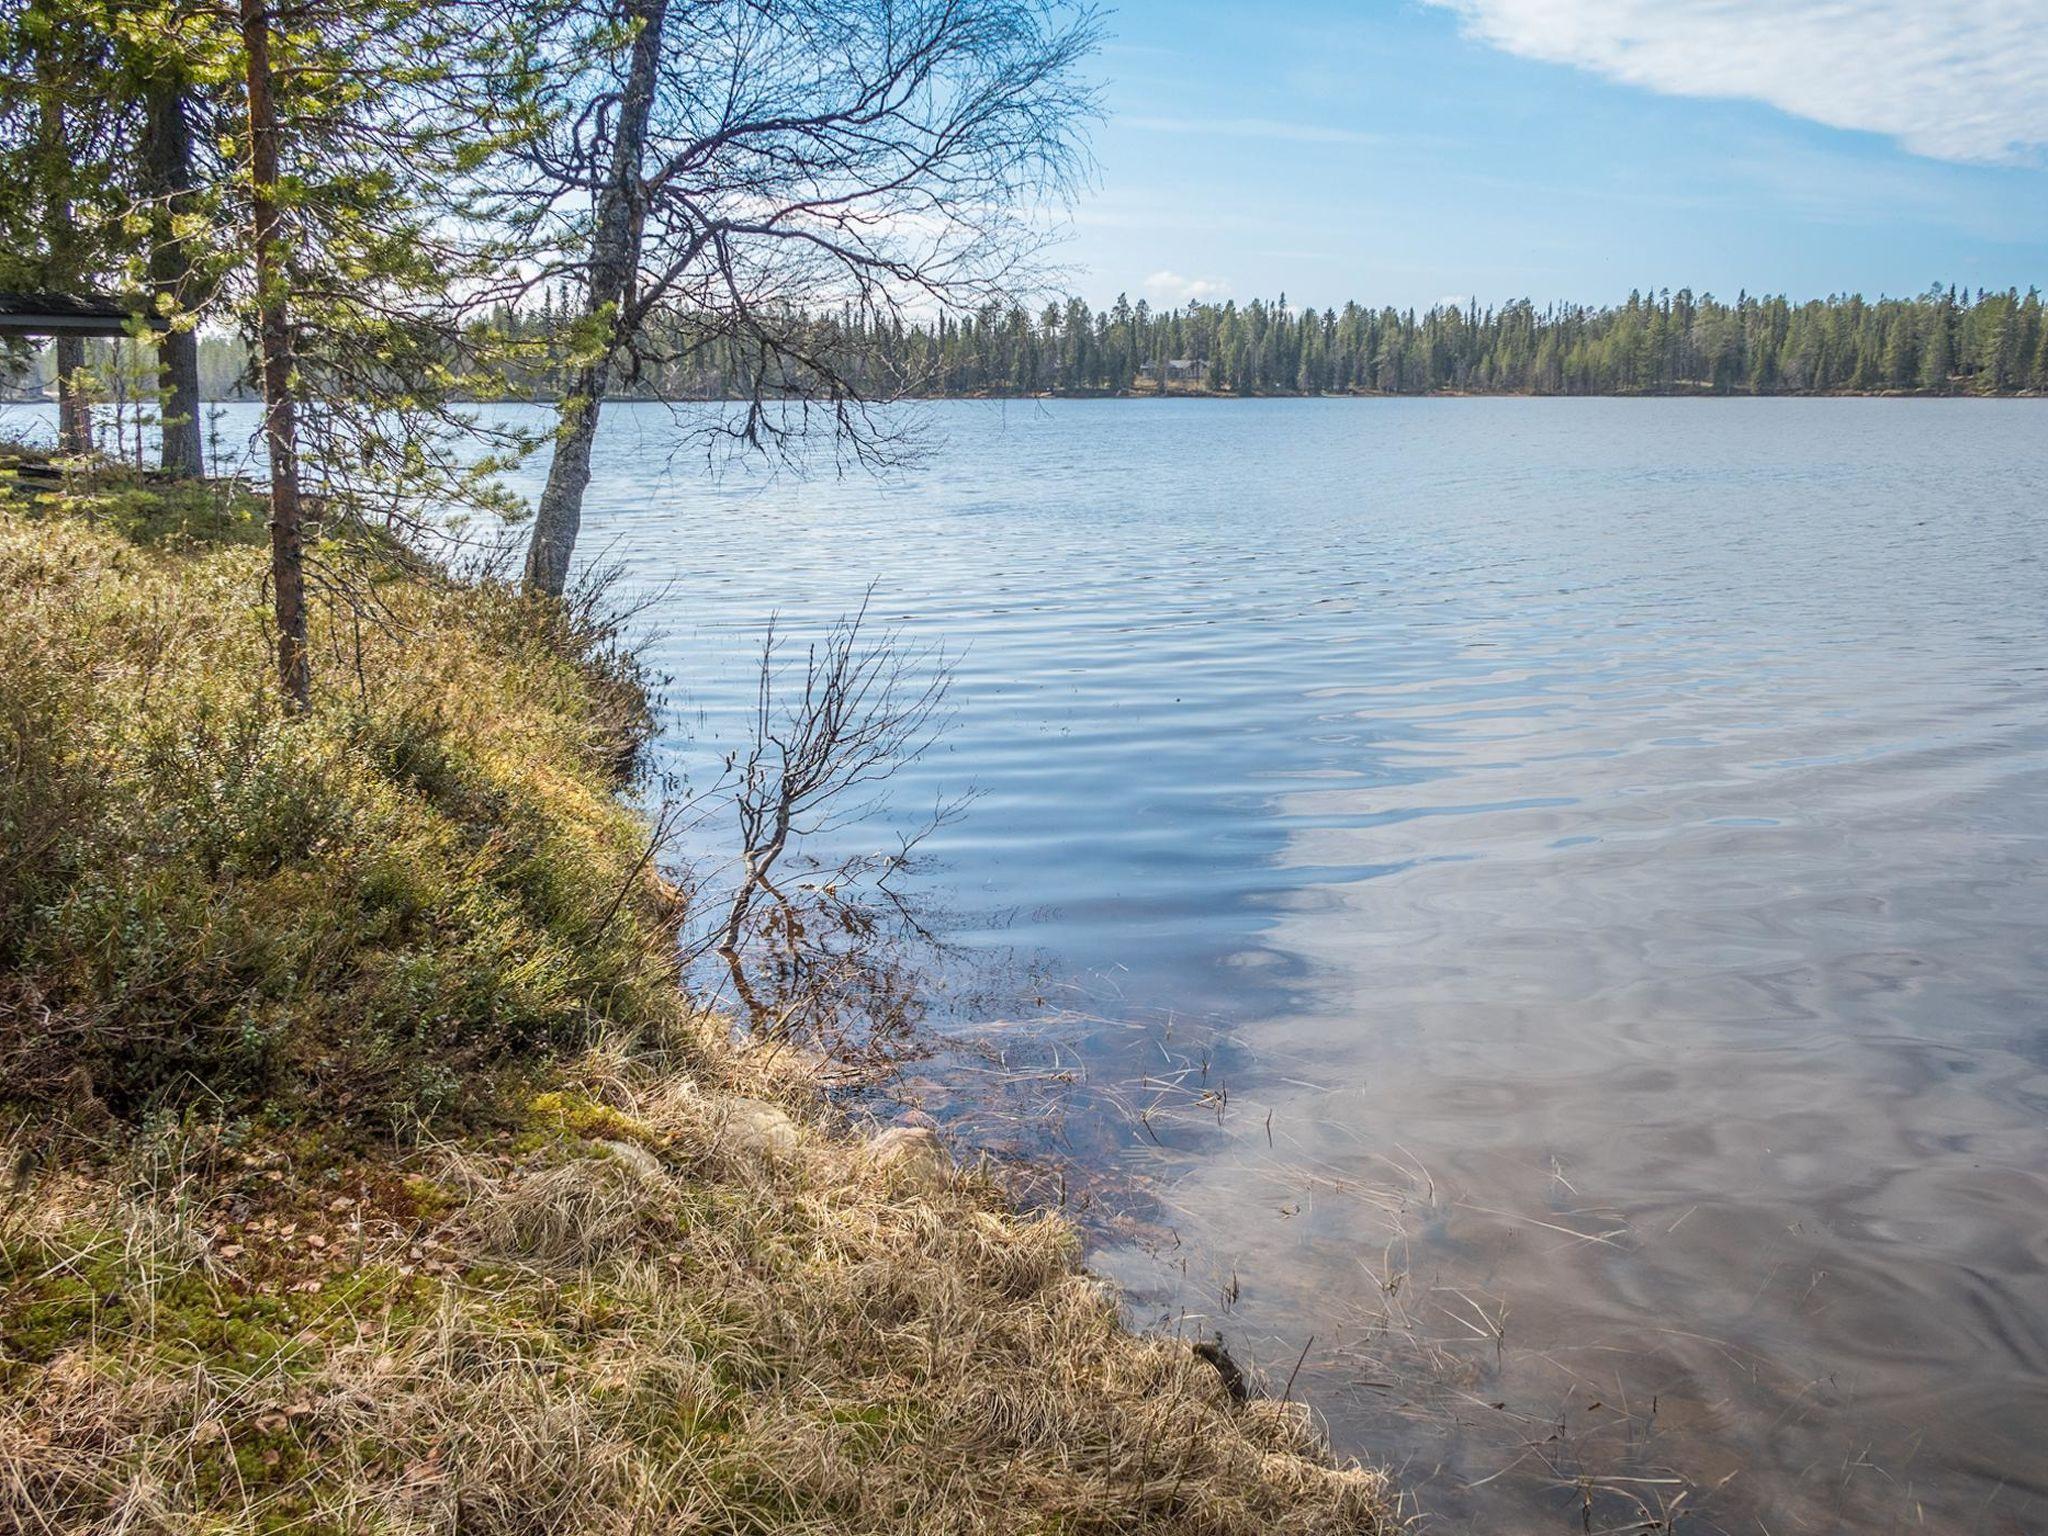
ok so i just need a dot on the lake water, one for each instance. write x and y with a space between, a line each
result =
1541 906
1602 849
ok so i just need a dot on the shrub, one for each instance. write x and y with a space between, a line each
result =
361 912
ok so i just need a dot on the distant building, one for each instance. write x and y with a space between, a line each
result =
1187 370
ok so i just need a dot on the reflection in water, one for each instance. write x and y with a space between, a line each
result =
1544 897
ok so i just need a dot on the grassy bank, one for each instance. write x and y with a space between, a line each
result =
367 1170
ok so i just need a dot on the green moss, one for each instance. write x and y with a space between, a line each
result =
39 1321
573 1114
78 1288
872 1428
429 1199
84 1286
259 1462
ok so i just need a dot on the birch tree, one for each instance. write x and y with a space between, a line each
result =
733 169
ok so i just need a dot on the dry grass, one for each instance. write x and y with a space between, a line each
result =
673 1302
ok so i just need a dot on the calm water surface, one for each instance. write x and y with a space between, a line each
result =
1600 847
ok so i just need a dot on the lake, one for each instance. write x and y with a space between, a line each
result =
1533 913
1600 847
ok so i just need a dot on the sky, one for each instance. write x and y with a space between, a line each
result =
1410 151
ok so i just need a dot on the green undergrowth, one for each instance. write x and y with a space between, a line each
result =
361 914
367 1171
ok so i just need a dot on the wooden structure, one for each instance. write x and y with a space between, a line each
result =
63 314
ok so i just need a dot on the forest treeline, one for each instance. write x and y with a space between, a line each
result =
1946 341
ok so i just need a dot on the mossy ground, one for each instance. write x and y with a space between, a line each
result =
369 1170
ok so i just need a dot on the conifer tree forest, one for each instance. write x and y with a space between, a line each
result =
1945 341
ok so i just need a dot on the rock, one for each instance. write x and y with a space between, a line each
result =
784 1062
753 1127
902 1141
1234 1383
638 1158
912 1149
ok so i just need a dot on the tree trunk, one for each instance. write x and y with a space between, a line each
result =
167 168
614 259
280 414
560 514
74 403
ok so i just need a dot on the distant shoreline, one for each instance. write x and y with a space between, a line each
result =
1354 394
1226 395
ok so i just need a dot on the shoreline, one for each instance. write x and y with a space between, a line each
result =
1229 395
415 1179
1356 394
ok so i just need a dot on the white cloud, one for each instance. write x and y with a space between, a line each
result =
1172 288
1252 128
1952 79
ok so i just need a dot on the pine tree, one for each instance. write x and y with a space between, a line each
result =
1937 354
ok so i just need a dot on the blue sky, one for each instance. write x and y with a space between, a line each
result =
1404 151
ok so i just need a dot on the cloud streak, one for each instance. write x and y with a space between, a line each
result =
1963 80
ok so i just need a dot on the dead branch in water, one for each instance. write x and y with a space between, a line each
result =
863 707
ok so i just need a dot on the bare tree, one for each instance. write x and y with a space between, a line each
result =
859 715
736 169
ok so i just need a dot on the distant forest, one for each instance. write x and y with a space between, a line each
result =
1946 341
1671 343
